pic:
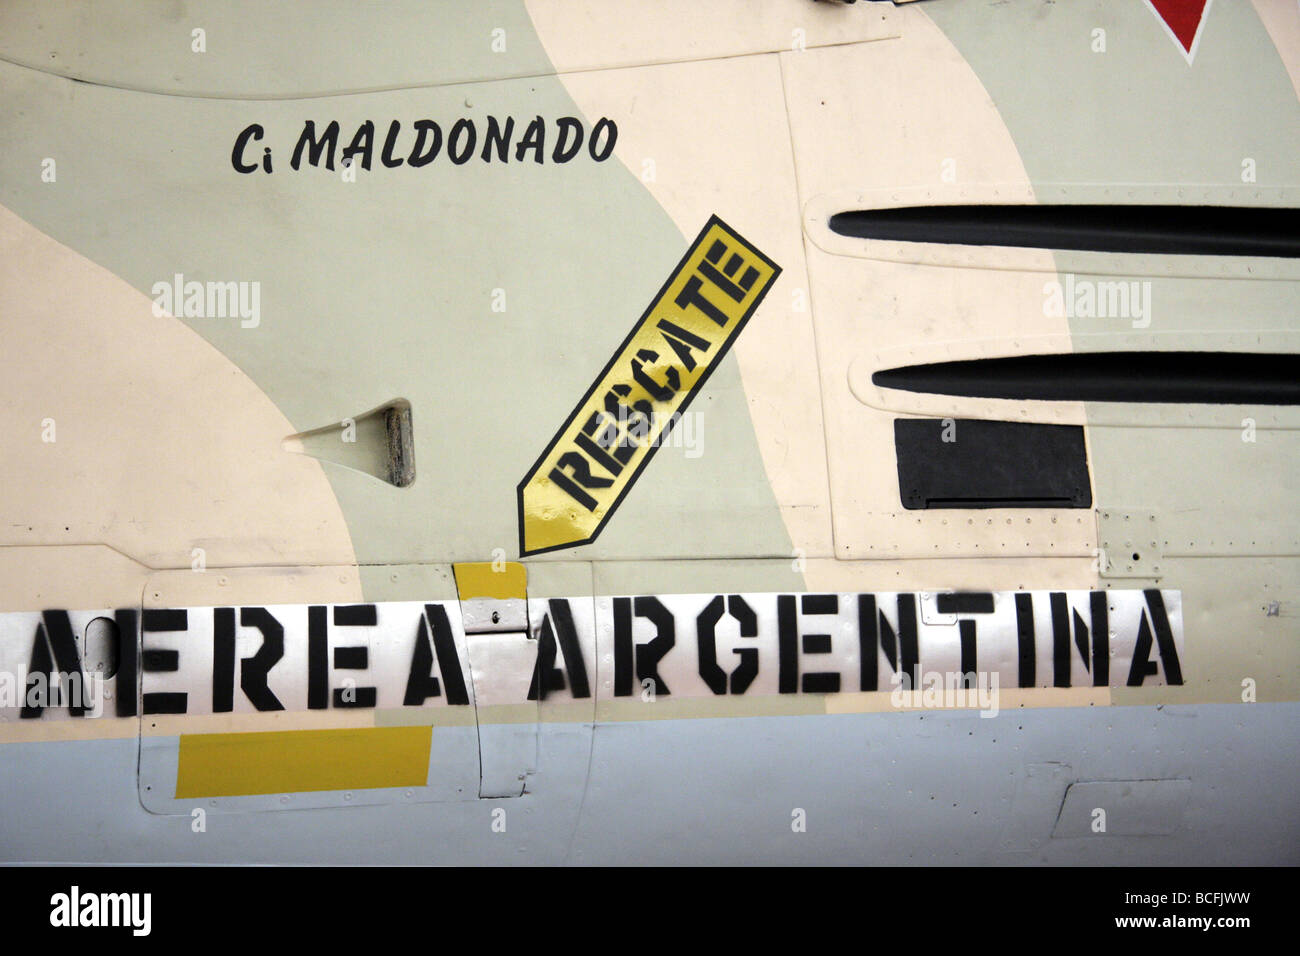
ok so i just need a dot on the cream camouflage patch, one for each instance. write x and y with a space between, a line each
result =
591 464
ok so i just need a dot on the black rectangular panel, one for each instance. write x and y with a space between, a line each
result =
968 463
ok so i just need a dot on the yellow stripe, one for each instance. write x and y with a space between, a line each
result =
478 579
297 761
611 436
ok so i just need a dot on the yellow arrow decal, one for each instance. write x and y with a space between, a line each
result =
574 487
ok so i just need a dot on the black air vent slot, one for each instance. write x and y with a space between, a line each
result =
970 463
1178 230
1212 378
